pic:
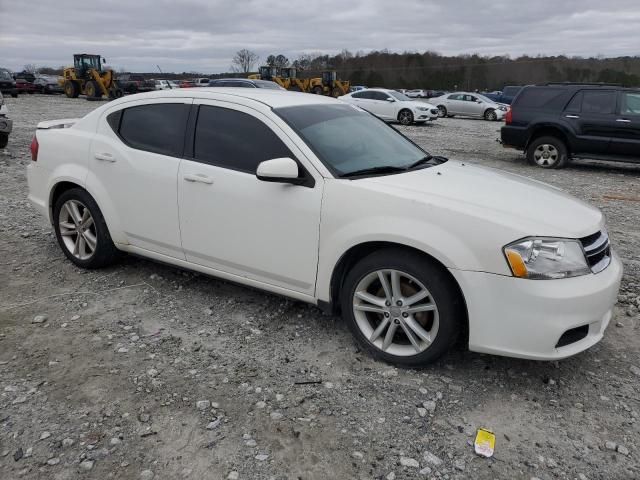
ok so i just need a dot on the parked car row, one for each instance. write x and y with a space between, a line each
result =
390 105
6 124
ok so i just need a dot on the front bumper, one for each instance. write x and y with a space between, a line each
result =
527 318
6 125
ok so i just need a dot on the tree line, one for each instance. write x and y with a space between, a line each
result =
434 71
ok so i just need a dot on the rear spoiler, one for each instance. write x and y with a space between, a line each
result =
62 123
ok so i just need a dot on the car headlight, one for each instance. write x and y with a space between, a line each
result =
546 258
503 108
423 109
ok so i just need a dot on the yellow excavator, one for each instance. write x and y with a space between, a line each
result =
87 77
329 84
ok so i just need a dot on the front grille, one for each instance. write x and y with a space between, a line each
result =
598 251
435 111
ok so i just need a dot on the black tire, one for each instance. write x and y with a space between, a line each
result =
14 94
92 89
405 117
336 92
4 139
442 111
556 152
71 89
318 90
443 291
490 115
105 253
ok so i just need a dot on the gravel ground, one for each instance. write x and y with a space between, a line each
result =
145 371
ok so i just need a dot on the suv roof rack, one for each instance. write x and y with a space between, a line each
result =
588 84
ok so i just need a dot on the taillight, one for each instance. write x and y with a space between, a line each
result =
34 149
508 117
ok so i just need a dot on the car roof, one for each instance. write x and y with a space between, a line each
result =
268 97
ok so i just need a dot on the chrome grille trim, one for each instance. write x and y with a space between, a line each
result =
597 250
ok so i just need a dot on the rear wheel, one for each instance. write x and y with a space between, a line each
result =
405 117
318 90
336 92
71 89
442 111
402 307
548 152
81 230
4 139
92 89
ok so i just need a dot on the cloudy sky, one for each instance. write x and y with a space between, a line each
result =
202 35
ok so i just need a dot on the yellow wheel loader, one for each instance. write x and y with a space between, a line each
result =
295 84
272 74
87 77
329 84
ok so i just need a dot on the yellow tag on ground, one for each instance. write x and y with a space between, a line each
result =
485 442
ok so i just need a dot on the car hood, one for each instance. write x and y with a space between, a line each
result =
416 104
516 205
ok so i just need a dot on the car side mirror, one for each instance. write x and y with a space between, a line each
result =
478 101
391 100
279 170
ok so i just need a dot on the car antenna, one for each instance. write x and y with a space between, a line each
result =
168 83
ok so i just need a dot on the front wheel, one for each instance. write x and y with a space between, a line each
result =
82 231
548 152
490 115
442 111
318 90
401 307
405 117
4 139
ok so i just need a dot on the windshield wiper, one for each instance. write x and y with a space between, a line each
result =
374 170
426 160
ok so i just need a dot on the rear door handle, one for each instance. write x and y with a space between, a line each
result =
105 157
623 120
572 116
198 178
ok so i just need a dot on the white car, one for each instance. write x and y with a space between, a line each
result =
166 84
317 200
469 105
416 93
392 106
6 124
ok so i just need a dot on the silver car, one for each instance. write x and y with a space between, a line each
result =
469 104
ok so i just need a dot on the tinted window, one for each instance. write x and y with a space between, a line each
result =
380 96
469 98
596 101
511 91
538 97
455 96
631 103
359 95
575 104
267 84
232 139
157 128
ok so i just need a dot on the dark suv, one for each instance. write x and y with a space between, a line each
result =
556 122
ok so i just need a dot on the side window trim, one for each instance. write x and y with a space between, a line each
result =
190 136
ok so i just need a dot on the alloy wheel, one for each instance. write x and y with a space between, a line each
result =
405 118
442 112
77 229
546 155
395 312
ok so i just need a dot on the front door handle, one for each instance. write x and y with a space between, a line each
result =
572 116
198 178
105 157
623 120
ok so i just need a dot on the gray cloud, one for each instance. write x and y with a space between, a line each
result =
202 35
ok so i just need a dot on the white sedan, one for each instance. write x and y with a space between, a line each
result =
392 106
469 105
310 198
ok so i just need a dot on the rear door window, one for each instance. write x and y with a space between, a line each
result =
157 128
235 140
598 101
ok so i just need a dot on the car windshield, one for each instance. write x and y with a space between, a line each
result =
349 140
400 97
483 98
4 75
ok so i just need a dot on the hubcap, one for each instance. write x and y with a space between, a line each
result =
405 118
441 112
546 155
395 312
77 229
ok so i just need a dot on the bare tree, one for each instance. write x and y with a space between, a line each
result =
244 61
279 61
30 68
